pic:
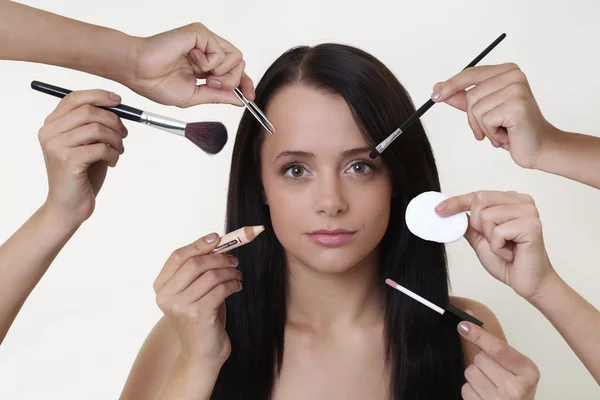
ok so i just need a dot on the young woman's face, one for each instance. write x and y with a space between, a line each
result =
329 202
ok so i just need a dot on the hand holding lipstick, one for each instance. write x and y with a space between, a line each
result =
506 233
498 371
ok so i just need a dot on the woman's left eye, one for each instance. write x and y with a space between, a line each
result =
360 168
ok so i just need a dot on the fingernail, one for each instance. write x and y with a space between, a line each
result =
441 207
253 92
464 328
125 131
211 238
193 57
241 286
233 261
437 93
114 96
213 83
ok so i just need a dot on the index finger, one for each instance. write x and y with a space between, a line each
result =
497 349
73 100
455 204
442 91
200 247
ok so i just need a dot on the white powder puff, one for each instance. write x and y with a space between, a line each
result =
423 221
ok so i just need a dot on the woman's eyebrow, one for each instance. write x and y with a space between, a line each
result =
294 153
306 154
357 151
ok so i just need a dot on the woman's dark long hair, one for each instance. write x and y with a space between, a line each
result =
425 358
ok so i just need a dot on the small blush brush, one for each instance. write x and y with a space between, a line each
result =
451 316
209 136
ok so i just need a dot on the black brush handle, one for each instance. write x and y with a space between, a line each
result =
453 316
419 113
123 111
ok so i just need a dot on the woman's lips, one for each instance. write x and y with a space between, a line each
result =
331 238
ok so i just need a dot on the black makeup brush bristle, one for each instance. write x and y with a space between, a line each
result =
209 136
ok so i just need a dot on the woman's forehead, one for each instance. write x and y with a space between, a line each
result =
308 118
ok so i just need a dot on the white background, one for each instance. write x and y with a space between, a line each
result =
80 330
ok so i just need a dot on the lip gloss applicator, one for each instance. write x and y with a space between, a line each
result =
451 316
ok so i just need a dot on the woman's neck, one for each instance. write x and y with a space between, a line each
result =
330 301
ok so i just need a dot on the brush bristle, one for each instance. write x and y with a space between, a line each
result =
209 136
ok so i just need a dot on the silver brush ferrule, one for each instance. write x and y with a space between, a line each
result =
165 123
383 145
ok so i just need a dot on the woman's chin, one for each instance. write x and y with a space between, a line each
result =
332 261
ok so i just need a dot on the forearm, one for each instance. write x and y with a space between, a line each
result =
29 34
189 380
574 318
572 155
25 257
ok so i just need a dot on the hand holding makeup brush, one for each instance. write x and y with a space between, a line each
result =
498 371
506 233
79 142
500 106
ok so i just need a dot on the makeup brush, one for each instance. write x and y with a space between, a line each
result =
451 316
209 136
419 113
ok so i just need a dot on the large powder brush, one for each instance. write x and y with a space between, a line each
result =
209 136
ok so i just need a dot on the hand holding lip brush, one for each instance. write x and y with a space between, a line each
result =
209 136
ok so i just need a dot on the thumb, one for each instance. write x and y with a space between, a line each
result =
457 99
472 236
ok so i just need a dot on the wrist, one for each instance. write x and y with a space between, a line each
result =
124 70
550 148
204 367
120 64
107 53
60 217
189 378
547 291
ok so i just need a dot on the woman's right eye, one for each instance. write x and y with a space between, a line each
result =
295 171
